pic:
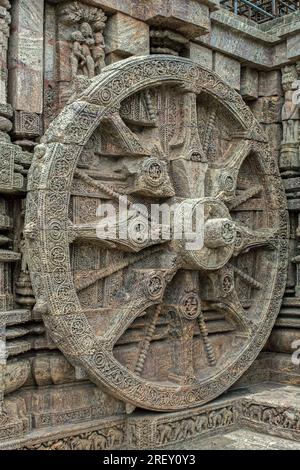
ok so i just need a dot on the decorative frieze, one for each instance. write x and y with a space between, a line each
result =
144 432
27 124
11 178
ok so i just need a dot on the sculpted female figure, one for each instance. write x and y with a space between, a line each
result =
290 111
87 45
99 53
77 57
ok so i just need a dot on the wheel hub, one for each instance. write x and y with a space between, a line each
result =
210 245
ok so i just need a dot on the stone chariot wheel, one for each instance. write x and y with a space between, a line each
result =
157 324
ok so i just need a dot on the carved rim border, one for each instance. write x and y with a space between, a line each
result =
49 186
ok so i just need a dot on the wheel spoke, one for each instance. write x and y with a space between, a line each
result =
248 239
85 279
222 179
232 306
189 166
104 188
123 136
145 343
144 349
132 234
244 196
247 278
147 287
210 354
236 154
190 312
186 349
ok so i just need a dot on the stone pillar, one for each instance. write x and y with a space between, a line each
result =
26 56
124 37
288 323
201 55
26 67
249 83
228 68
5 20
5 109
12 159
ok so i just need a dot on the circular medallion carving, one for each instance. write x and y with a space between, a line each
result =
190 306
155 286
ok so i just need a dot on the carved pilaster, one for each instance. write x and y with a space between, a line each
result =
26 56
289 156
5 20
288 320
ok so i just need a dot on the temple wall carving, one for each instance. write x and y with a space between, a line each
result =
148 102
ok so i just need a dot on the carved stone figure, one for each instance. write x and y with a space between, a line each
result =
99 441
78 59
227 416
164 433
87 41
98 52
201 423
115 437
88 64
215 419
268 415
255 412
82 62
289 419
289 159
290 109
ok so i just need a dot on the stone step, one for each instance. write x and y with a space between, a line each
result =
272 409
241 439
253 417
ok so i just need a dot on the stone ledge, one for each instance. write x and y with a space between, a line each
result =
244 26
274 410
269 408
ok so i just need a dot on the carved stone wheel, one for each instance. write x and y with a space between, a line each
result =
157 325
